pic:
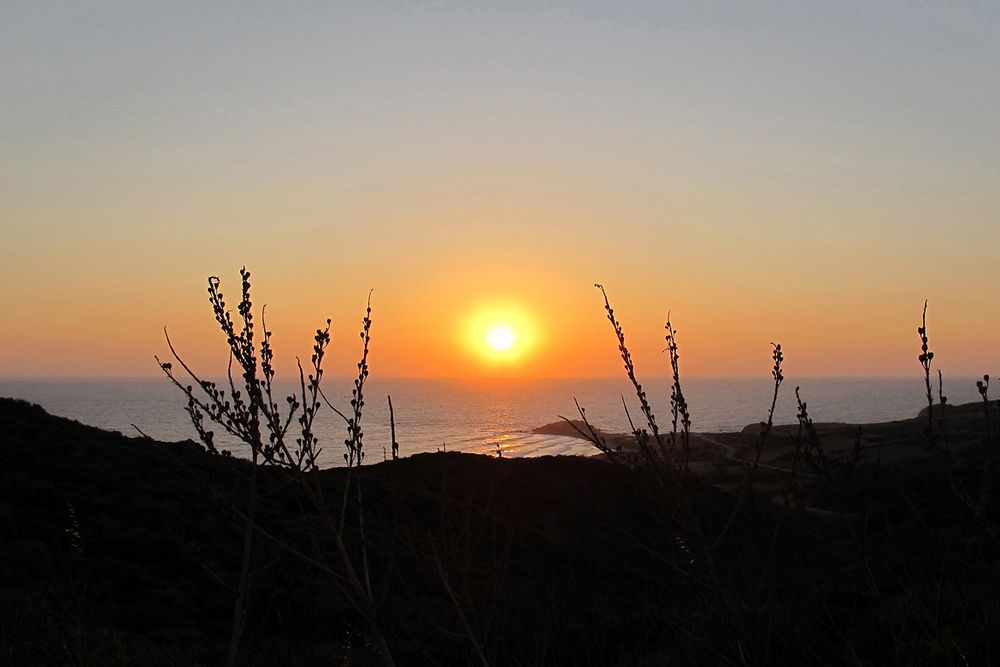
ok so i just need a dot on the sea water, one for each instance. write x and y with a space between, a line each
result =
487 415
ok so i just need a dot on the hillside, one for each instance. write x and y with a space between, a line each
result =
125 551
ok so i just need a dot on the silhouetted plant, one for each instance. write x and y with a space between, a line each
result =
678 404
592 434
640 393
925 358
355 434
248 412
934 439
984 390
392 432
356 585
811 449
695 549
778 377
765 430
983 386
240 413
659 461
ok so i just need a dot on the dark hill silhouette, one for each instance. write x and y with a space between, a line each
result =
121 550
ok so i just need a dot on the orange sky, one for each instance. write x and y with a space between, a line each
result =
421 329
807 175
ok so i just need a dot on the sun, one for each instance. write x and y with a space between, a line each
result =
501 337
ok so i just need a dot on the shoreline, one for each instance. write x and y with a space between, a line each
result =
722 458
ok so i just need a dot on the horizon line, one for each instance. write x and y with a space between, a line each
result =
7 378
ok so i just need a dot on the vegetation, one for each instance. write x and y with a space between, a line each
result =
242 415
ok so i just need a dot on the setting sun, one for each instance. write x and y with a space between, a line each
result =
501 337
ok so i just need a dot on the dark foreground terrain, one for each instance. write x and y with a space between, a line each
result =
125 551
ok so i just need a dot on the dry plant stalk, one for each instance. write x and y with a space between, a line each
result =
812 450
242 411
765 430
925 358
983 386
660 460
250 411
678 404
656 453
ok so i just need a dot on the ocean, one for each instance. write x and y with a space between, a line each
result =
481 415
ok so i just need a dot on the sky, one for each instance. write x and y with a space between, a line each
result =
806 173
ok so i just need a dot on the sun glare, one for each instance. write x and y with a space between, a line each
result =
500 335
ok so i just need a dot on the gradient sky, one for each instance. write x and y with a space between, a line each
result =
806 173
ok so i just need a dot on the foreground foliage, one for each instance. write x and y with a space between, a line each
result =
122 551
